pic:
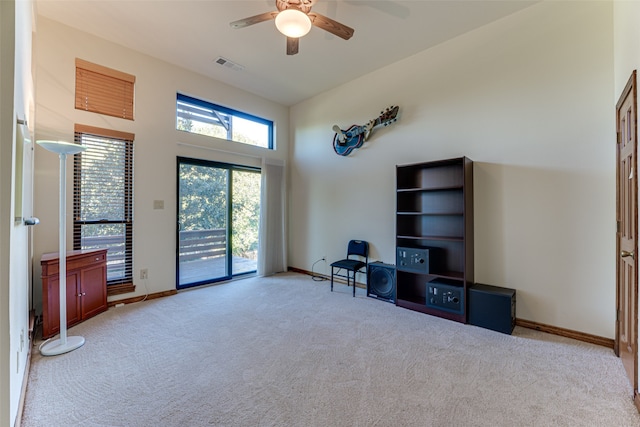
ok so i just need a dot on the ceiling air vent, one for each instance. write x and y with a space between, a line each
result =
229 64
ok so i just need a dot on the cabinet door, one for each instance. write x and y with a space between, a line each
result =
93 290
73 304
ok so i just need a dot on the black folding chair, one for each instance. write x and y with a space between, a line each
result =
357 259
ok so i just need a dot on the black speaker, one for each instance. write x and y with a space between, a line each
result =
415 260
445 295
381 283
492 307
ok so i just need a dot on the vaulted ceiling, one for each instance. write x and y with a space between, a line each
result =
194 33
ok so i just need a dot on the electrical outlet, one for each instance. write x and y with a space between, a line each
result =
144 274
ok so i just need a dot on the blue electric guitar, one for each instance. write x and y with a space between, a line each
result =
345 141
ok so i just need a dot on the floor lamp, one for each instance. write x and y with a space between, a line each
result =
64 344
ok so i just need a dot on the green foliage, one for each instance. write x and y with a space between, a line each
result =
203 197
246 214
239 133
201 128
203 204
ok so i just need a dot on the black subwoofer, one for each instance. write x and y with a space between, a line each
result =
381 283
492 307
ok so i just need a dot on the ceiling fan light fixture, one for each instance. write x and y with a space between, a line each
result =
293 23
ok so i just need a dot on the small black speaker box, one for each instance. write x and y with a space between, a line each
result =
492 307
381 283
443 295
415 260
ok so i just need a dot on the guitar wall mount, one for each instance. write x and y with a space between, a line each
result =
345 141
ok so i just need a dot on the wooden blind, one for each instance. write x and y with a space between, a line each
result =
103 198
104 90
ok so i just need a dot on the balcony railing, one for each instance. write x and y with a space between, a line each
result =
201 255
202 244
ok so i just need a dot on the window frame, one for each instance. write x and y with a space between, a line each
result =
216 108
123 284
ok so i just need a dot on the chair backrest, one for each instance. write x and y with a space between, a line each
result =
358 247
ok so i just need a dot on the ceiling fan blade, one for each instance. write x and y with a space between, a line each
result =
292 45
331 26
241 23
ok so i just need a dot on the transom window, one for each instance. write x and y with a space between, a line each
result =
204 118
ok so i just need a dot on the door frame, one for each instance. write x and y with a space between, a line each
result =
231 168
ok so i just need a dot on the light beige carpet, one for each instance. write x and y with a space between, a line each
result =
284 351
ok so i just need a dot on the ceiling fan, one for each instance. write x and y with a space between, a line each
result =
294 19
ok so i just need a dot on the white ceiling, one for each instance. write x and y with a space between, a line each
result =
193 33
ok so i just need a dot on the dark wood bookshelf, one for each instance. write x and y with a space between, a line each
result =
434 211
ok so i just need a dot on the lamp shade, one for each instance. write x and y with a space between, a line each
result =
61 147
293 23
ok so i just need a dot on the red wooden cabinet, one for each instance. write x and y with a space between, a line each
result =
86 288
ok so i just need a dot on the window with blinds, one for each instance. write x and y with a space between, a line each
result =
104 90
103 198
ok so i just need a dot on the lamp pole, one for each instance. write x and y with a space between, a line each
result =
64 344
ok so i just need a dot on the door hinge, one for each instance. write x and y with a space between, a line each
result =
618 139
617 226
618 315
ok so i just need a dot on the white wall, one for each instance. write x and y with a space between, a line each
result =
626 36
530 99
155 143
16 85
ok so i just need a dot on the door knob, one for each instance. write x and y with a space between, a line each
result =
625 254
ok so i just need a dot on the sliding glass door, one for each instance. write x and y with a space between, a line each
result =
218 217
